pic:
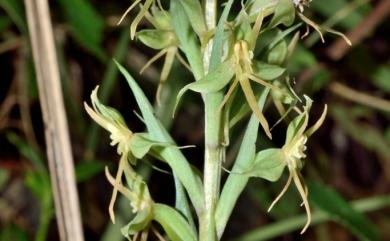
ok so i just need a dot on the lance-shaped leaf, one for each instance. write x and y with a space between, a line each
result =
171 155
187 38
235 184
157 38
173 223
86 25
342 212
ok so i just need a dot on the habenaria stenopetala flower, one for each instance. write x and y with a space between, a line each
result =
242 65
269 164
162 37
294 154
130 146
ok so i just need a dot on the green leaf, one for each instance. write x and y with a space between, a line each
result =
284 14
194 12
342 212
86 25
217 50
267 71
156 38
15 11
138 223
188 41
86 170
175 226
236 183
172 155
269 164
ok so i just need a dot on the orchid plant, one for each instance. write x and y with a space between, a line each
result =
253 46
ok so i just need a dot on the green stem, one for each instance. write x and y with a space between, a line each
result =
295 223
213 150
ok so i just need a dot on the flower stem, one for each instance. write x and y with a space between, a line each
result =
213 150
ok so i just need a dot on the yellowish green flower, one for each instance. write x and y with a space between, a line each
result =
294 155
130 146
242 57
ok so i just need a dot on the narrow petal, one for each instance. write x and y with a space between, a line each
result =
318 124
166 69
116 186
302 192
281 193
128 10
228 94
251 99
153 59
313 25
138 18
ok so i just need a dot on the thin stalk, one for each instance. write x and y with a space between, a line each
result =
59 151
213 150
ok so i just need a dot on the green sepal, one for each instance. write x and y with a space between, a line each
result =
299 124
267 71
212 82
162 19
284 14
269 164
278 54
156 38
138 223
253 7
140 144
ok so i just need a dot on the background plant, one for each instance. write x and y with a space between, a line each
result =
301 58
